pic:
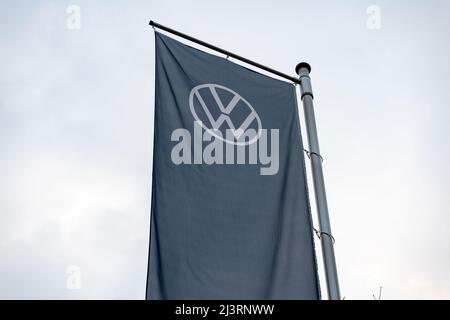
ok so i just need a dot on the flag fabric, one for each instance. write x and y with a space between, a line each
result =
230 215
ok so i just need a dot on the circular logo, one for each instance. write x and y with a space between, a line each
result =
218 108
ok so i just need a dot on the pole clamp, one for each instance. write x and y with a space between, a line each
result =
320 233
305 85
309 153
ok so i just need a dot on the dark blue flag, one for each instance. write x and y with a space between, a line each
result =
230 213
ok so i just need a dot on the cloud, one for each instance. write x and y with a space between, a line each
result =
76 125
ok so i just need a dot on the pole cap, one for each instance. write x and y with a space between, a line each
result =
302 65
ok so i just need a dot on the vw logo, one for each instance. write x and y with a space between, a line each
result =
219 108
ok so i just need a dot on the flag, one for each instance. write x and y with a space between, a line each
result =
230 216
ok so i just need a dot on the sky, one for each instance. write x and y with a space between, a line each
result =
76 135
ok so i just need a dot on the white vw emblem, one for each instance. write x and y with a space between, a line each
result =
208 108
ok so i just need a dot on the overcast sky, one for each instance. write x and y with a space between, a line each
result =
76 125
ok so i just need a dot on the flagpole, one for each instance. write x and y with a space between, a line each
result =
303 69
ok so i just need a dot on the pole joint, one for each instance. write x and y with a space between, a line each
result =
303 69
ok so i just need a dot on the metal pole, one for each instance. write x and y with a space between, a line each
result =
303 69
225 52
